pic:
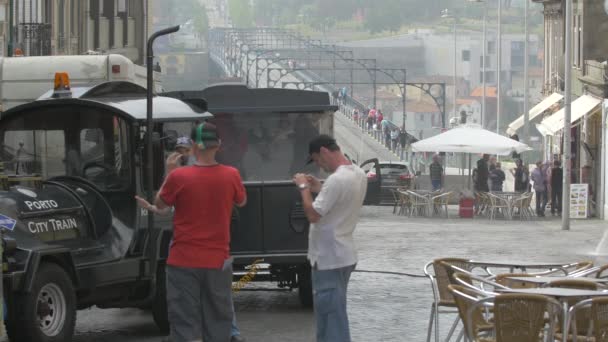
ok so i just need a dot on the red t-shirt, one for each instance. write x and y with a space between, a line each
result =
203 197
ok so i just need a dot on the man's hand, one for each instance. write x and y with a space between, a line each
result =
173 161
142 203
300 178
315 184
311 214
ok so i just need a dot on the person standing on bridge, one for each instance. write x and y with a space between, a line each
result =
333 215
371 119
199 267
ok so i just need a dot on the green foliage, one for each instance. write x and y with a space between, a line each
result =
201 21
240 13
378 15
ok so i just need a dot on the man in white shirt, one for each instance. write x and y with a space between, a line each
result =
331 250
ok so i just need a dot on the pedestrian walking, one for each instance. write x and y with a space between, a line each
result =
379 117
371 119
436 173
333 214
402 140
540 187
394 139
199 267
387 136
557 177
497 177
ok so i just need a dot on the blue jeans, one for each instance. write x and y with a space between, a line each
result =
329 295
436 184
234 330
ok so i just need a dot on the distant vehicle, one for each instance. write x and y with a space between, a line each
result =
394 174
25 79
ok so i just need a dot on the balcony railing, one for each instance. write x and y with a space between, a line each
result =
35 39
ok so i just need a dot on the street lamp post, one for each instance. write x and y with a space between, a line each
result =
483 64
567 117
499 67
446 14
526 81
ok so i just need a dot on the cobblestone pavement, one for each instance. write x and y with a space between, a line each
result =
381 307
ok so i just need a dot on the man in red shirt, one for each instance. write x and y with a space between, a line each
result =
199 267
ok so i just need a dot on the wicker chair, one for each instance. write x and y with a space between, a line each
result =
503 279
420 204
601 270
594 310
579 267
498 204
481 203
582 320
442 201
396 200
521 317
465 298
521 204
405 203
442 298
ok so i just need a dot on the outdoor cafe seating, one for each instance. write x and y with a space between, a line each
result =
426 203
556 302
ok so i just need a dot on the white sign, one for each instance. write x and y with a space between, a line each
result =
579 198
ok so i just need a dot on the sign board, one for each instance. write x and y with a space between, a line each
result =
579 198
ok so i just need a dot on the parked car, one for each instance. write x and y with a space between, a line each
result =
393 174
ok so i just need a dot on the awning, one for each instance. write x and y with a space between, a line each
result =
534 112
580 107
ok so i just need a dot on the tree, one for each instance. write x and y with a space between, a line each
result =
240 13
201 22
384 15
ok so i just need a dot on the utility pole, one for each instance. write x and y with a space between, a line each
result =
483 69
455 68
526 139
567 116
499 62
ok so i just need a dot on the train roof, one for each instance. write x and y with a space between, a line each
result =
238 98
126 97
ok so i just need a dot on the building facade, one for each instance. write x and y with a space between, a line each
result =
71 27
589 90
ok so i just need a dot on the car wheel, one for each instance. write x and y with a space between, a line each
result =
48 312
159 307
305 287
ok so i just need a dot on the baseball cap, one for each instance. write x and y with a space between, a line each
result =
183 142
315 145
204 135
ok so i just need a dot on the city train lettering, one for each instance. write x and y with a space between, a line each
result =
41 205
52 225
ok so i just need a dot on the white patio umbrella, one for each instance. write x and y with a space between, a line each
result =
470 138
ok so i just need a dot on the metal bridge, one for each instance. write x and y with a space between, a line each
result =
275 57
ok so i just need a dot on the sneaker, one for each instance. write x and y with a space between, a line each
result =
237 338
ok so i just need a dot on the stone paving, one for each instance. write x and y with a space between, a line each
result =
381 307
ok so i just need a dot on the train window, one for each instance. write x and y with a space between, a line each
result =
269 146
91 145
34 152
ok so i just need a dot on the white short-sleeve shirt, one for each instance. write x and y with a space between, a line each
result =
330 242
